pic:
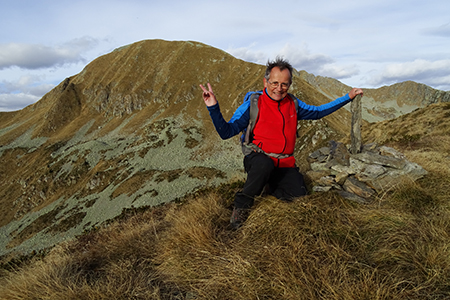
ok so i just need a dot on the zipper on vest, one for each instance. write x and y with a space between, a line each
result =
284 125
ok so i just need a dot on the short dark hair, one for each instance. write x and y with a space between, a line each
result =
280 63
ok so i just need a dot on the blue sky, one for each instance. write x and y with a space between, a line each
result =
361 43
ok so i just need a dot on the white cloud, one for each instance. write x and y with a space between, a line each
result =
301 58
436 73
245 53
12 102
27 84
22 92
339 72
36 56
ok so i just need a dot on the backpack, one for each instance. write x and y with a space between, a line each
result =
247 134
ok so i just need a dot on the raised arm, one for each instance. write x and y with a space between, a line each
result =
225 129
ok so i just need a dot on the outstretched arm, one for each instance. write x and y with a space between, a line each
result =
311 112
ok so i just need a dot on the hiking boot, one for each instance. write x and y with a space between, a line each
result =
238 217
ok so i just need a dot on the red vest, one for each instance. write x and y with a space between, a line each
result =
275 130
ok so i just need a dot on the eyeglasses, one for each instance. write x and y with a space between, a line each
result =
275 84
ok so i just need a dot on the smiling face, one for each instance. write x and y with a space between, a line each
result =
278 84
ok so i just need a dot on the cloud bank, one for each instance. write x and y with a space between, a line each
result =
17 94
12 102
46 61
301 58
37 56
436 73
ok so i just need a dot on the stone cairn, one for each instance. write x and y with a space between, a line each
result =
359 172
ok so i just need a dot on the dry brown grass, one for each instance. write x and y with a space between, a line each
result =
317 247
114 263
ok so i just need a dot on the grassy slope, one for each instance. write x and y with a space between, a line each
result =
318 247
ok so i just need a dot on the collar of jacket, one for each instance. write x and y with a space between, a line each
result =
267 94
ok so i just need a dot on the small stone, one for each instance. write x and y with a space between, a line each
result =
387 181
374 171
343 169
316 175
316 166
319 188
414 170
363 178
371 147
358 188
323 158
356 166
341 177
324 150
313 156
339 153
388 151
378 159
327 180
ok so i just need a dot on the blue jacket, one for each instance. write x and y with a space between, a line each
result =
239 120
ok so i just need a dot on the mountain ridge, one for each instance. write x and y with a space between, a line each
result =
131 130
386 102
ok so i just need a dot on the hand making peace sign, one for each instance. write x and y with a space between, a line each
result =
208 95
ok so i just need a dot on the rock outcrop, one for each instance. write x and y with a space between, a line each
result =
360 177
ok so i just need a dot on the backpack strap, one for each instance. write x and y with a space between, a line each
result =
296 106
248 134
295 101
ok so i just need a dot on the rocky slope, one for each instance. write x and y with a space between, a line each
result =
131 130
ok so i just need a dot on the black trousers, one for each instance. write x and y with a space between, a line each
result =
283 183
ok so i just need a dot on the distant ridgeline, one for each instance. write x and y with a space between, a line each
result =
384 103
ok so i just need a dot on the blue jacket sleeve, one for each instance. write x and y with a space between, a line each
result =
238 122
311 112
